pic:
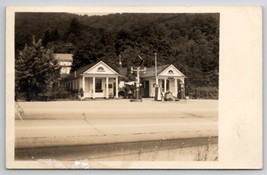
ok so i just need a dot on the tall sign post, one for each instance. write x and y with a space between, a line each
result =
156 70
157 96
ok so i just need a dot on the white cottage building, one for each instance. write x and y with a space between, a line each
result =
101 81
170 79
96 81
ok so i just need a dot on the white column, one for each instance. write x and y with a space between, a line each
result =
175 87
183 88
117 88
83 83
165 85
93 88
106 87
159 85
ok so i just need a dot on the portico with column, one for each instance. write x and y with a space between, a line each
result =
171 84
96 86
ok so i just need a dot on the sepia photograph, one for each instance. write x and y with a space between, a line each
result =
115 87
126 86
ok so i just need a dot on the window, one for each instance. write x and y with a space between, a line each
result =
170 72
98 85
100 69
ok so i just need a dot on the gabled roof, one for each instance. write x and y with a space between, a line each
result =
84 68
88 67
93 70
150 72
63 56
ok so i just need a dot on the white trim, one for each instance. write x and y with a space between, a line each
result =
172 75
83 83
165 85
99 75
107 89
175 87
100 62
93 88
117 88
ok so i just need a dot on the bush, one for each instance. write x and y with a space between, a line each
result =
204 93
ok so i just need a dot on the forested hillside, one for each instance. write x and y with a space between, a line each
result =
189 41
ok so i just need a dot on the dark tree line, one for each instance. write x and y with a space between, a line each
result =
189 41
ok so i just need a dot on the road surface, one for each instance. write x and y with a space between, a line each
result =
68 123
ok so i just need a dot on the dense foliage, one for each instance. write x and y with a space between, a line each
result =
189 41
36 71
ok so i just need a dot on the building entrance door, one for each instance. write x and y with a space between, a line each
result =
146 88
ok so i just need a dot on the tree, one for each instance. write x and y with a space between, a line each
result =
73 33
190 41
46 38
50 36
36 71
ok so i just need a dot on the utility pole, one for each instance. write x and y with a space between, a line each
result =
156 70
157 96
137 82
138 69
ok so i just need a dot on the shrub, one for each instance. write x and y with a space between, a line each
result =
204 93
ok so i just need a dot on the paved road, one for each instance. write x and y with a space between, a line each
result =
64 123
